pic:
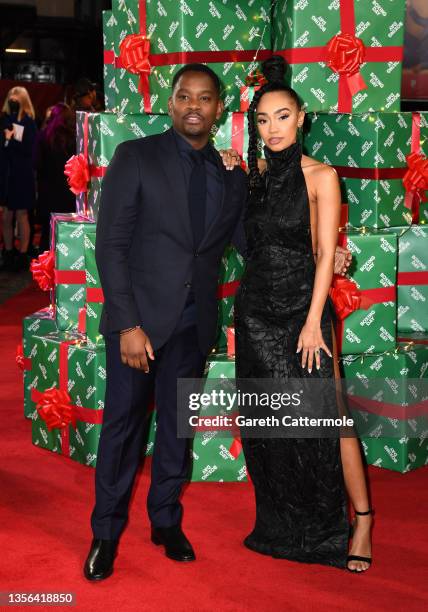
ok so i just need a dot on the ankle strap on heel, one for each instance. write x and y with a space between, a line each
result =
369 511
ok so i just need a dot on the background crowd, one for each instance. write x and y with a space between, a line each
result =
33 152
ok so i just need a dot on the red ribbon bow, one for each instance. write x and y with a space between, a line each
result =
416 178
256 78
42 270
54 407
345 54
77 172
19 358
134 56
347 297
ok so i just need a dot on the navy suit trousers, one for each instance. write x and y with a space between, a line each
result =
128 394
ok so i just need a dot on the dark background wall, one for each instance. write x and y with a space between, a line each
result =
63 40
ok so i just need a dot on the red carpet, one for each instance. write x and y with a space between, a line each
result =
47 501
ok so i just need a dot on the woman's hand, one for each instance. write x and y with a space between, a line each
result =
310 343
342 260
8 134
231 158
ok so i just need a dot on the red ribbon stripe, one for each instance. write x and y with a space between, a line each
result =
412 278
392 411
94 295
70 277
227 289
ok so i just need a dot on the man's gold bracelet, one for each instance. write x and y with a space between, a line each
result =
130 329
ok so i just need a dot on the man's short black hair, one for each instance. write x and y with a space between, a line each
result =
197 68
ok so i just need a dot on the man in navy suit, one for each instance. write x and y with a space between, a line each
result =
168 209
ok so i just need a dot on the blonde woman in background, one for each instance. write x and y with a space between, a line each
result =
17 186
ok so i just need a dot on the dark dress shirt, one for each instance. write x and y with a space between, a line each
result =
214 183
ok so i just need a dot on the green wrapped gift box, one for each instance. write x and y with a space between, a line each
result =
246 96
150 430
371 288
231 131
216 456
370 153
387 394
398 454
158 37
109 45
68 231
414 338
389 378
94 293
344 55
98 135
66 365
63 362
226 312
232 266
37 324
412 279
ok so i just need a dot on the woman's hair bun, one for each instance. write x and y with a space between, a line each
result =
274 69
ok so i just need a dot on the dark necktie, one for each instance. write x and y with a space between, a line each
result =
197 196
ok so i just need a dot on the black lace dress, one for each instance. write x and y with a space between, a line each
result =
301 511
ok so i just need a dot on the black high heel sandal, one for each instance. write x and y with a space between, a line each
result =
358 557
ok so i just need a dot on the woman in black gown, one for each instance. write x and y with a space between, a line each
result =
283 330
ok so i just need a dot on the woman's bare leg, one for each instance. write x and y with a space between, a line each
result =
24 230
355 482
356 486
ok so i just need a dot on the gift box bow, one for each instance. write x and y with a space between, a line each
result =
43 270
134 52
416 178
54 407
79 171
47 276
255 78
347 297
135 56
344 53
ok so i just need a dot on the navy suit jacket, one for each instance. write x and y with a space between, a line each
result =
144 246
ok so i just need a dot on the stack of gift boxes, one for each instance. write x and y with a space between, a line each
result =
345 63
355 125
380 156
63 354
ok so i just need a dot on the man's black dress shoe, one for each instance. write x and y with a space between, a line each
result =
177 546
99 563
